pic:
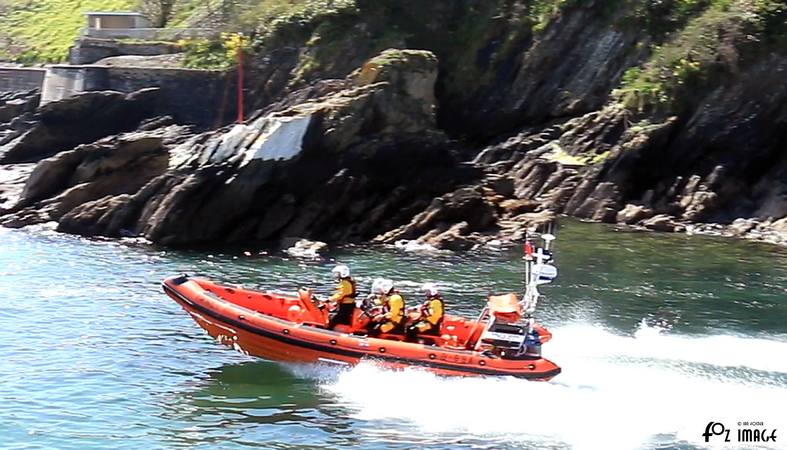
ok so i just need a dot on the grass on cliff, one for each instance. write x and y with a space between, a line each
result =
263 20
327 27
43 30
718 40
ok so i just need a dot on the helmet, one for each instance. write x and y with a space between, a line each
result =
384 286
430 290
341 271
376 285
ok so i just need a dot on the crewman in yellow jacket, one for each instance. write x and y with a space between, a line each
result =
343 300
391 320
432 312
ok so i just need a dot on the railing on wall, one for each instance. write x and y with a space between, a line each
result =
159 34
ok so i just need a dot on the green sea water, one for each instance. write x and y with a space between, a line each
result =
657 335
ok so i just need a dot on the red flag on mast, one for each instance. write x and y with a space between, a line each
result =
528 249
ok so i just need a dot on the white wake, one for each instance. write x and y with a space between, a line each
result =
615 391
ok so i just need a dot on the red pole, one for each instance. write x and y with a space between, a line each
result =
240 85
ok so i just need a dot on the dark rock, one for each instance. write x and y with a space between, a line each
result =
454 238
341 153
468 205
605 214
12 182
503 186
15 104
520 206
76 120
597 205
366 157
72 179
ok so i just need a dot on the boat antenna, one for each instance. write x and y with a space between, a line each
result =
537 269
528 275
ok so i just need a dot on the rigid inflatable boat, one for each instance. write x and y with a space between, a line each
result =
292 328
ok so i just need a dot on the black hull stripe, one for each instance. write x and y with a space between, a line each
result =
350 353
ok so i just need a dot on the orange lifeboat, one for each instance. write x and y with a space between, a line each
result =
292 328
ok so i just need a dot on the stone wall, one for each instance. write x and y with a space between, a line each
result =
150 34
88 50
62 82
201 97
13 79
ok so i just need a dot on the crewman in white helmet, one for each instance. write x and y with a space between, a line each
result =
343 301
391 319
432 312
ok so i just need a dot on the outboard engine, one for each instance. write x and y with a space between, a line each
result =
503 339
511 340
508 334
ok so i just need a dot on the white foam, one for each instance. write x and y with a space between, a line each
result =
414 246
614 392
654 343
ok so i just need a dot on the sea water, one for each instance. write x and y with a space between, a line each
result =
658 335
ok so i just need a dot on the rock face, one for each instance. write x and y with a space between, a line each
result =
361 156
106 168
569 69
13 104
517 112
632 214
78 120
662 222
444 224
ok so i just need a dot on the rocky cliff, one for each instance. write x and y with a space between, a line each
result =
337 161
666 115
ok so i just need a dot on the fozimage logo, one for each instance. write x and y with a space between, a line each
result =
746 432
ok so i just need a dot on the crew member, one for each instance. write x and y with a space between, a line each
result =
343 301
391 319
432 311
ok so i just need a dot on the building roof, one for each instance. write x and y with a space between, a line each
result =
112 13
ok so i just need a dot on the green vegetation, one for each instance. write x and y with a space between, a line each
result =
269 17
714 42
43 30
267 22
542 11
36 31
213 53
560 156
659 18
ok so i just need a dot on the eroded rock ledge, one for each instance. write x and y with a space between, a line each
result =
337 162
362 159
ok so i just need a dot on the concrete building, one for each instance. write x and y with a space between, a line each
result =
114 24
133 25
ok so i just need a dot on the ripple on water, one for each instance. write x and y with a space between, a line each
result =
96 356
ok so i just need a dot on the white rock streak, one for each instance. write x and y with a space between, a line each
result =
281 138
268 138
230 142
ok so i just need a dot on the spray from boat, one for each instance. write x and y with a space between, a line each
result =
617 391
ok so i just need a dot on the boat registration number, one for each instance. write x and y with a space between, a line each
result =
493 335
